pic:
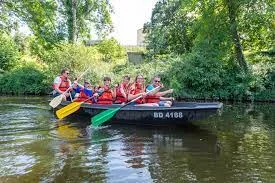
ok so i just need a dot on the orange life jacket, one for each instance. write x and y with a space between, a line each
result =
82 97
152 98
64 85
137 90
119 97
106 97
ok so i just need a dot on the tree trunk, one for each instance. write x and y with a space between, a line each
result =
72 20
234 33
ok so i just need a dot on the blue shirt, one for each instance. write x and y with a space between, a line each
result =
77 90
149 87
88 92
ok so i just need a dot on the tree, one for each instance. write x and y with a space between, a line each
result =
9 53
111 50
180 26
54 20
169 28
80 15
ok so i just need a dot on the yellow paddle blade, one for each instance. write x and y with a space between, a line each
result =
56 101
67 110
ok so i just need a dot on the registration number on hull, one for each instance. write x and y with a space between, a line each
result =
168 115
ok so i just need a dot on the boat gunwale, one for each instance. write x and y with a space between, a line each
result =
196 106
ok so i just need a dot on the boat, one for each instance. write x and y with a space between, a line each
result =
180 113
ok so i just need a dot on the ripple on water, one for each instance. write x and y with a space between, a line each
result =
13 163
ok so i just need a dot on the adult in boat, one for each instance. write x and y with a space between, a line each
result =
61 84
157 96
106 93
138 89
84 92
122 91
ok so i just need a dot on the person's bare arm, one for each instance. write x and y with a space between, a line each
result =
113 93
123 92
161 94
156 90
132 97
166 98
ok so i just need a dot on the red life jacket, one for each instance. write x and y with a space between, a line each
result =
106 97
82 97
64 85
137 90
152 98
119 97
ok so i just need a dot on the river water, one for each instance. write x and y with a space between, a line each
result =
236 146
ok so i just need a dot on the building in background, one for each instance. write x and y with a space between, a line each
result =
140 37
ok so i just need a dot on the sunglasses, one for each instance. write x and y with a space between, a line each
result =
157 81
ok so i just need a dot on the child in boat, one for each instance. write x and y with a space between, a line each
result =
84 92
122 91
106 94
138 89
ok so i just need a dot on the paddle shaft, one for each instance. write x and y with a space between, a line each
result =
106 115
88 99
140 97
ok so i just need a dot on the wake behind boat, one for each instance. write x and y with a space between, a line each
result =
180 113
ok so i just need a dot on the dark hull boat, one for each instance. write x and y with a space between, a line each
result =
179 113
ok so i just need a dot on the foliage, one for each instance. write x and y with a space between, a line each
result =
263 83
9 53
78 58
87 13
177 26
111 50
157 66
39 16
169 28
52 21
24 80
208 39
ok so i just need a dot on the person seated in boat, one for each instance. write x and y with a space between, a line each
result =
138 89
85 92
61 84
106 94
122 91
157 96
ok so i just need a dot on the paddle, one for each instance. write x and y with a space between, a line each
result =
58 99
100 118
69 109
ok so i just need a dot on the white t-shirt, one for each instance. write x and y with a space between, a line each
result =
57 81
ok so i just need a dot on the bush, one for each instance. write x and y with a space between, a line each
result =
111 50
24 80
194 75
9 53
157 66
263 82
77 58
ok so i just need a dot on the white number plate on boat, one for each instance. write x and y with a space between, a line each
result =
168 115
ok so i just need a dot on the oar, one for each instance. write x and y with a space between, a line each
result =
58 99
100 118
69 109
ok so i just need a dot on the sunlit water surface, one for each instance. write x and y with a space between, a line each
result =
237 146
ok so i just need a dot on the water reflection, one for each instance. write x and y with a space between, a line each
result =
249 142
237 146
